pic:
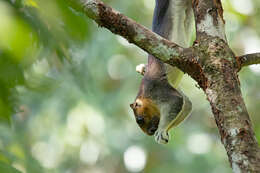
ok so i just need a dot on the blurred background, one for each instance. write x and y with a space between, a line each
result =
66 85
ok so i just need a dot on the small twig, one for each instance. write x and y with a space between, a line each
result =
249 59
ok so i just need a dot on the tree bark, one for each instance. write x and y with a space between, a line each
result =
223 88
209 61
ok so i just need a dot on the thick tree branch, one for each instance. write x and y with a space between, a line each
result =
249 59
235 127
209 18
223 88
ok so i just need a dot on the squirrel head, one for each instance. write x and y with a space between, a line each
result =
147 115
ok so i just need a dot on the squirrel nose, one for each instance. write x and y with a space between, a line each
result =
152 130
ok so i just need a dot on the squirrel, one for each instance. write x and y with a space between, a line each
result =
159 106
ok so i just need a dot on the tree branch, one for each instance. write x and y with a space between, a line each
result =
249 59
135 33
209 18
223 88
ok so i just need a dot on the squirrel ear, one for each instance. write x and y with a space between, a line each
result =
132 105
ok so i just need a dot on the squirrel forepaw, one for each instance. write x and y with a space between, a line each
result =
161 136
141 68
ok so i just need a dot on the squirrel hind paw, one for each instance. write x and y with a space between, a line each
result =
161 136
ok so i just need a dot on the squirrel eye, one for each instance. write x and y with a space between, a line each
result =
133 105
140 120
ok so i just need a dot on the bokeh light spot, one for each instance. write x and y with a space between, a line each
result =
135 159
89 152
242 6
255 68
47 153
119 67
199 143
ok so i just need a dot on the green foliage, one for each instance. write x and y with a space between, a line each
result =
66 86
29 33
7 169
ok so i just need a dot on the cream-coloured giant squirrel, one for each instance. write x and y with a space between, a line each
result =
159 105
